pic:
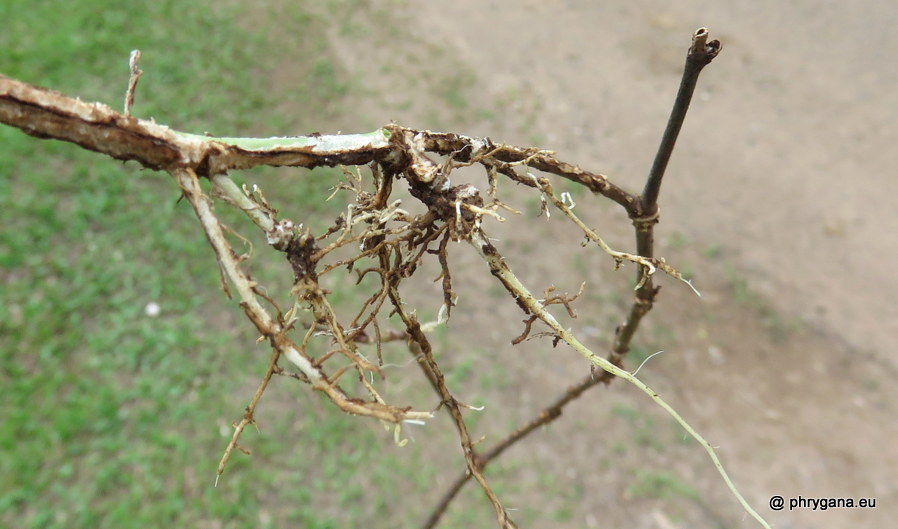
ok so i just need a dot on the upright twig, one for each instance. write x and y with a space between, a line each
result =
700 54
136 72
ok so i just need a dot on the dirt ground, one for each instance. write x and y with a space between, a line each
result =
779 199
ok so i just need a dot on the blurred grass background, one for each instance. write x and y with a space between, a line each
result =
112 417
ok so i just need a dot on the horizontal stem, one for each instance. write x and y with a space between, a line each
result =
47 114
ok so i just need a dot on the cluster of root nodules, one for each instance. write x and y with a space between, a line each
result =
377 236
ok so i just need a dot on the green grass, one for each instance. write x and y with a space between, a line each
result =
642 426
110 417
678 241
659 485
779 326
